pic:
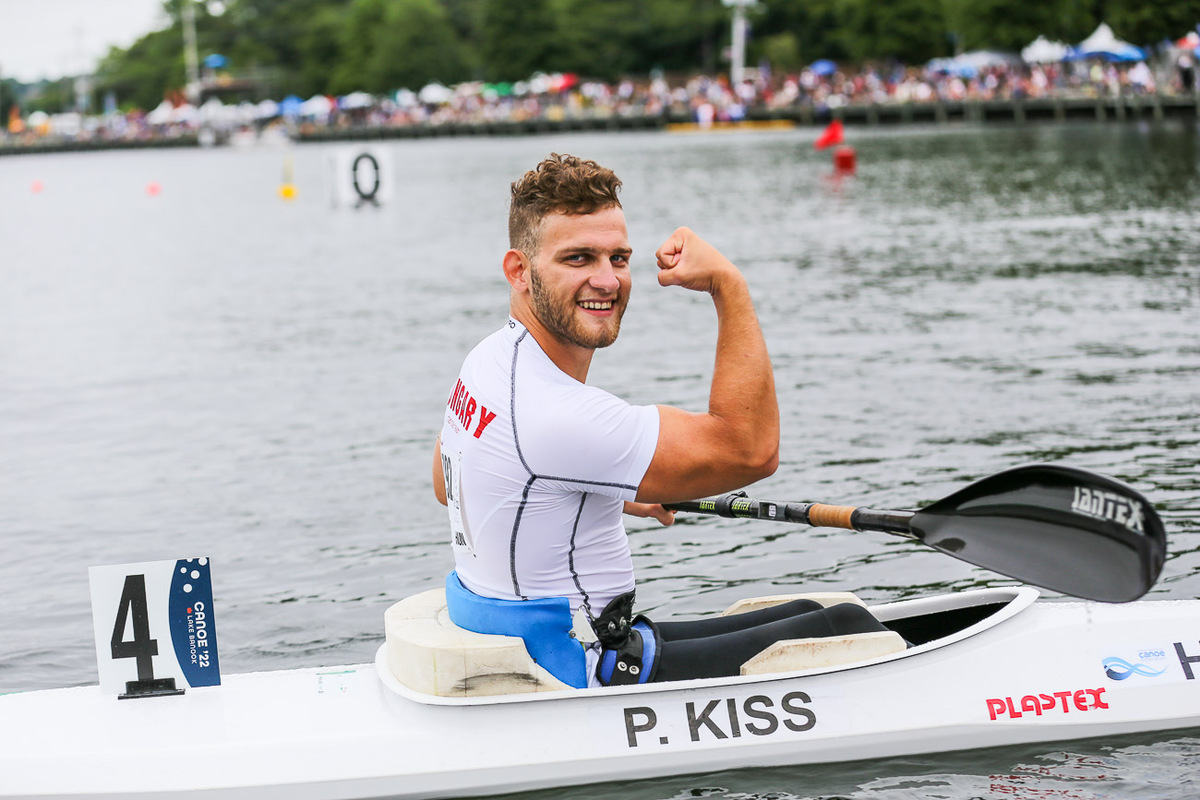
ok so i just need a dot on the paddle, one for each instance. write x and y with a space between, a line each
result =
1062 528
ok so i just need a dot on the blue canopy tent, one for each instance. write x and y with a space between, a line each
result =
290 106
968 65
1103 43
823 67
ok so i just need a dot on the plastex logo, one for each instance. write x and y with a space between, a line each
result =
1049 703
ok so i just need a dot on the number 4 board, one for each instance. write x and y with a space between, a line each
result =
155 628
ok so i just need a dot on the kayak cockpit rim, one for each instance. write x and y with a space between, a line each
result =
995 605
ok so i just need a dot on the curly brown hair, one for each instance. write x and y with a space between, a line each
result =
560 184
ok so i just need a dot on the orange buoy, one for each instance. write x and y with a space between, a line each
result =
153 188
36 187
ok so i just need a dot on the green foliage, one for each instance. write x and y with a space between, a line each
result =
8 98
466 18
596 39
1144 22
782 51
813 25
384 45
1071 20
53 97
602 39
414 45
341 46
320 49
291 45
911 31
517 39
356 42
50 96
1004 25
142 75
684 35
607 39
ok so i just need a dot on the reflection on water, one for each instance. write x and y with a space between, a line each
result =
1158 765
211 370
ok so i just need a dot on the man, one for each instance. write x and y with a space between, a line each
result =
536 467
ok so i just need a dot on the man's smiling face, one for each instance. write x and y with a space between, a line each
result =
579 279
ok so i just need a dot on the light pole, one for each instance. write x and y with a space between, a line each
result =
192 90
737 54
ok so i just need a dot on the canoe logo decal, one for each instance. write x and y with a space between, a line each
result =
1099 504
1052 703
1119 669
193 625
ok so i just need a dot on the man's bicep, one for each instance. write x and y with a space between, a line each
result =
698 455
686 460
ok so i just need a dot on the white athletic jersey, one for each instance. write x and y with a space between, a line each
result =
537 468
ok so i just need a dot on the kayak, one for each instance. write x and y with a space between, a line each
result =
981 668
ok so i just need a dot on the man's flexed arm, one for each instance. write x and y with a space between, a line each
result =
736 441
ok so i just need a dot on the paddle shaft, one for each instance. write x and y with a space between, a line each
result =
818 515
1063 528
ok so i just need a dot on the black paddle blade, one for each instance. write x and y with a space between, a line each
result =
1062 528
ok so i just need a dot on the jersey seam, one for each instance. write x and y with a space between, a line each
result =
587 602
533 477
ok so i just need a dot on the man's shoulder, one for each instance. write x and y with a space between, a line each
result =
542 389
497 344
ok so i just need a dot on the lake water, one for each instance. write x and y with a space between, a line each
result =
211 370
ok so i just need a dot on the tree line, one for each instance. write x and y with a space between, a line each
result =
305 47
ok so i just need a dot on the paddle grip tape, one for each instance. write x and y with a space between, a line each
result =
824 516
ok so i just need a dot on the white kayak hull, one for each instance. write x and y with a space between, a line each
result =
1032 671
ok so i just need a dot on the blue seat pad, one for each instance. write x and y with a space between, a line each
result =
544 624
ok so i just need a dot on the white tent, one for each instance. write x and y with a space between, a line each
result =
212 110
266 109
356 100
1103 43
539 83
435 94
186 114
316 106
1043 51
968 65
162 114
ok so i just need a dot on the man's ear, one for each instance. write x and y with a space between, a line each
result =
516 270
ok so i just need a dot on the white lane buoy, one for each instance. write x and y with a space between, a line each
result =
359 176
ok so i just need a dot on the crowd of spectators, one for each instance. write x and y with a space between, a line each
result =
699 98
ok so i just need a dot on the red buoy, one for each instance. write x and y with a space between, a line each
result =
833 134
844 158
